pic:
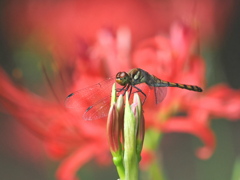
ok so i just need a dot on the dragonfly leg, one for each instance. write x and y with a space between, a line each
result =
125 89
120 89
130 92
139 90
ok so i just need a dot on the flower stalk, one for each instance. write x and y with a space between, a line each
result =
130 141
126 134
115 131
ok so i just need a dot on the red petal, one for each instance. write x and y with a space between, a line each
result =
70 166
187 125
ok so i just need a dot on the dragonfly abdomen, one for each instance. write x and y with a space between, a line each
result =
155 82
183 86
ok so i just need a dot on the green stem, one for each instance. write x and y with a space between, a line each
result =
155 171
131 167
130 155
152 140
118 162
236 169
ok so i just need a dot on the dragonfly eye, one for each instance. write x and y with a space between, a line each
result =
122 78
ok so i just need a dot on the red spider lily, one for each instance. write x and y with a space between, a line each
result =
64 135
59 27
163 57
68 137
59 23
219 101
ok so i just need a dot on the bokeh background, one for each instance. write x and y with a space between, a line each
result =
27 29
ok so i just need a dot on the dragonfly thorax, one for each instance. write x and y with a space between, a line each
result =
123 78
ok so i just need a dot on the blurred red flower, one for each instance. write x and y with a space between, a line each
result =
68 137
173 59
83 62
62 132
57 24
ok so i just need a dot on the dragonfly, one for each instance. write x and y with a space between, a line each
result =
94 101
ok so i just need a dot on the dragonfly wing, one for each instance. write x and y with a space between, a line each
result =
160 94
98 110
84 99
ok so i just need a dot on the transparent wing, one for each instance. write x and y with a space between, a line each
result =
98 110
91 100
160 93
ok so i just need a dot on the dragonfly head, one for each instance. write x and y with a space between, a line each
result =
122 78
